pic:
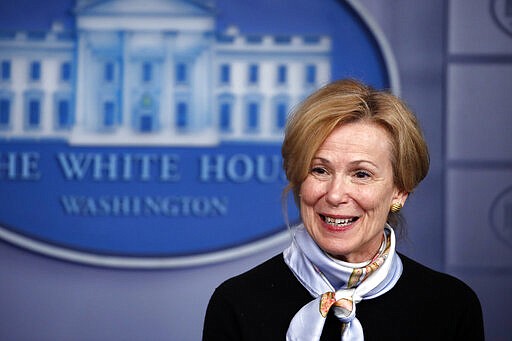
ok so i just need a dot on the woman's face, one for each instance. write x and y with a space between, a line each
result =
345 198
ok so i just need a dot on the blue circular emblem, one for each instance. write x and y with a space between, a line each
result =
501 216
501 12
150 136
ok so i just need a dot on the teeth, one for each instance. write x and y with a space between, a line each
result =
338 221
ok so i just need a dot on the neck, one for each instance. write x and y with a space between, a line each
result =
360 260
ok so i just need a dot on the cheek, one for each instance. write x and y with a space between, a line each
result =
308 214
374 200
310 192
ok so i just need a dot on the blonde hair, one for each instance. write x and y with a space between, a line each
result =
348 101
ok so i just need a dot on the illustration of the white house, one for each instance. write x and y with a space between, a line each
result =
154 72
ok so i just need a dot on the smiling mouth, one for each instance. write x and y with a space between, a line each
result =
338 222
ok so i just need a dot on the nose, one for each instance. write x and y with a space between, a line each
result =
337 191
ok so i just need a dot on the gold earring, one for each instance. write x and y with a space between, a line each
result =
396 207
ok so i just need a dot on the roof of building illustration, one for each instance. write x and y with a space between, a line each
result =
127 7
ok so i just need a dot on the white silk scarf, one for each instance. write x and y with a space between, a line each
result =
337 285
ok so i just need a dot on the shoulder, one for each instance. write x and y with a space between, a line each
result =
439 294
271 280
420 294
416 276
271 283
255 305
263 275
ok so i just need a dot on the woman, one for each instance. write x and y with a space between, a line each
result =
352 155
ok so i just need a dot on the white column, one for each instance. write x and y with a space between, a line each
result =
19 87
126 99
80 108
167 100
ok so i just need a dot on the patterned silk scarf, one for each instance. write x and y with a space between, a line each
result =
337 285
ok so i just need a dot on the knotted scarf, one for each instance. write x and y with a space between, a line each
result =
337 285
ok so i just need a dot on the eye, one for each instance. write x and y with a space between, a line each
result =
318 170
361 174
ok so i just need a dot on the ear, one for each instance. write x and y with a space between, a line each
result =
400 197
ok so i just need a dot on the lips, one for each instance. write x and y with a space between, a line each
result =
338 222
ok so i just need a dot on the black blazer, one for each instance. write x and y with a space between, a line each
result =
423 305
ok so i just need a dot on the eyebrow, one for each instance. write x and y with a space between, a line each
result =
354 162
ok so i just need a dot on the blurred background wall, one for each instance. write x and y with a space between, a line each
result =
454 60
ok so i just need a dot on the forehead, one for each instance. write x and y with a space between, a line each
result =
358 138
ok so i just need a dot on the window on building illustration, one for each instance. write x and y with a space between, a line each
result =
181 73
254 39
108 114
147 72
181 115
225 74
312 39
283 40
146 123
311 74
34 113
253 116
63 113
65 71
5 112
35 71
6 70
281 113
225 117
282 74
253 74
108 72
